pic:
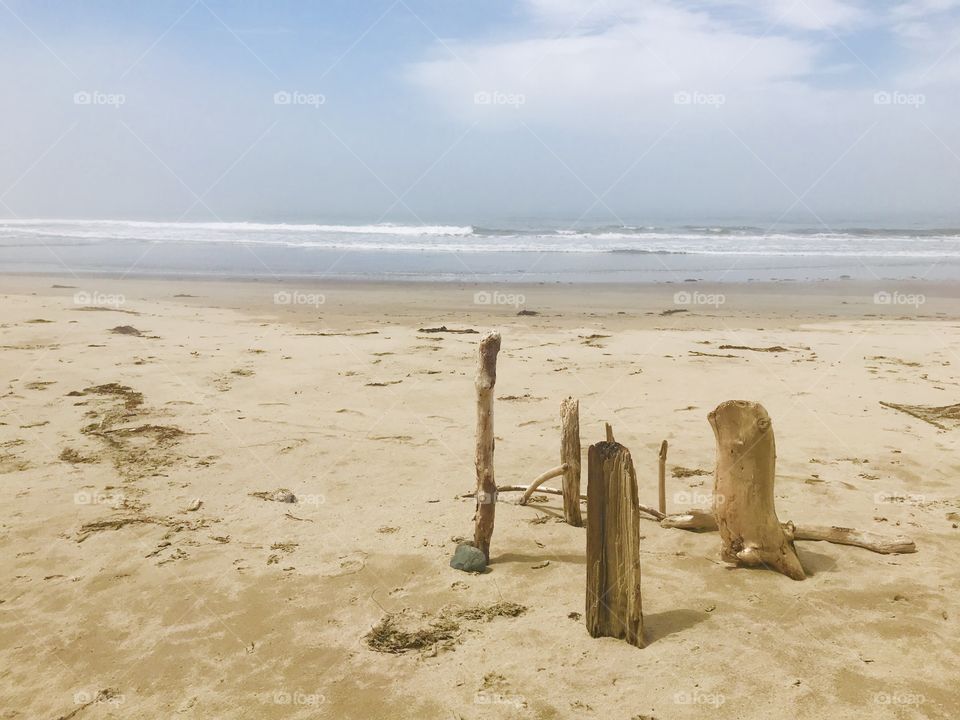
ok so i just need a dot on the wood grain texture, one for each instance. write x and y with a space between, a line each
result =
613 603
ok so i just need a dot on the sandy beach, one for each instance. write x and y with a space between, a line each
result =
149 569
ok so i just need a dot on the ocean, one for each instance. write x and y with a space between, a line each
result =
529 253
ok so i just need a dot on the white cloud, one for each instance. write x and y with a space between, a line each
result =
620 57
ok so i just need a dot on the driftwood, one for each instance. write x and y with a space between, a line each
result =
486 485
532 487
570 457
750 533
704 521
652 512
613 604
884 544
662 478
609 431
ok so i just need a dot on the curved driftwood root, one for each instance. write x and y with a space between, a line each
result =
532 488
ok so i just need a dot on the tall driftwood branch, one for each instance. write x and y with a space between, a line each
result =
613 604
570 457
486 484
662 477
532 487
609 430
750 532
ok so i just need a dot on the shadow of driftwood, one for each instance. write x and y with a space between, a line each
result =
659 625
814 562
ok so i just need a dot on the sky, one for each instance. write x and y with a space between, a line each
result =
824 113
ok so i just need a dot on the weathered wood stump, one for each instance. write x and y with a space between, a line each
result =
613 606
570 456
750 533
486 507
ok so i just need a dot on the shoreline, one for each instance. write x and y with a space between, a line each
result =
624 305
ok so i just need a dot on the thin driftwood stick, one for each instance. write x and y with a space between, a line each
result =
662 477
552 473
609 430
486 485
570 457
613 604
704 521
652 512
743 503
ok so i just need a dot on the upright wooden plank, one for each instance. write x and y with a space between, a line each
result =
570 456
613 605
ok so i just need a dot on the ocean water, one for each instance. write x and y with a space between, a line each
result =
545 253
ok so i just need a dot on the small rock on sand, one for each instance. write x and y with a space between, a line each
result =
468 558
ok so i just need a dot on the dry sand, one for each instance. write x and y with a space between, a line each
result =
143 578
